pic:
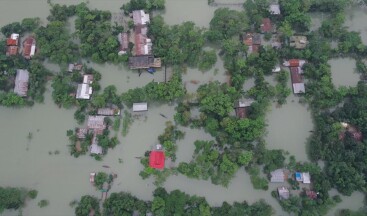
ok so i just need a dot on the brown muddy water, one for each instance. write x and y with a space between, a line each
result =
60 178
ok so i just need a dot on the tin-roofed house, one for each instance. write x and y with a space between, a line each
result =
241 106
108 112
297 81
274 9
277 176
266 26
84 91
303 177
29 47
144 62
96 123
283 193
140 17
123 39
140 107
75 67
12 44
157 157
94 147
21 82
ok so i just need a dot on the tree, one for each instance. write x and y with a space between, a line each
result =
86 205
207 60
226 23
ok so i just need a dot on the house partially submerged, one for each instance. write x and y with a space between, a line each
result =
352 130
75 67
94 147
29 47
252 41
140 17
274 9
303 177
96 123
144 62
108 112
12 44
266 26
277 176
140 107
241 106
311 194
298 42
123 39
81 133
297 81
283 193
21 82
84 90
143 44
157 157
294 63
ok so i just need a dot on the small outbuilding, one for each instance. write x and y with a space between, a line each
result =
157 158
140 17
140 107
283 193
274 9
297 81
298 42
29 47
144 62
108 112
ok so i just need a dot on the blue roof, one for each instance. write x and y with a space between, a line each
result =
298 176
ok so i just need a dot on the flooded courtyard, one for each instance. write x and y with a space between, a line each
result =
343 72
43 162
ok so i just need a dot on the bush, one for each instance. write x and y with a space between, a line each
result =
43 203
32 194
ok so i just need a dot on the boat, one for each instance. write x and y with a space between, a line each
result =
151 70
105 166
91 177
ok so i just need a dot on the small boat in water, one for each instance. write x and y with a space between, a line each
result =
162 115
151 70
91 177
105 166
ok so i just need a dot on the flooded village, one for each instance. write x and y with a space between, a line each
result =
116 130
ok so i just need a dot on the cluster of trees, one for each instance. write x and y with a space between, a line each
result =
282 89
148 5
226 24
14 198
178 44
37 79
27 25
164 203
156 92
168 141
345 158
96 36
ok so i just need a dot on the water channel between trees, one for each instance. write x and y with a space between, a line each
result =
43 161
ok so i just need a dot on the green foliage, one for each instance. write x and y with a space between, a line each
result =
207 60
177 44
124 204
294 12
282 90
95 32
227 23
127 120
37 81
148 5
43 203
116 124
101 178
12 198
62 93
11 99
61 12
156 92
54 43
258 182
32 194
86 205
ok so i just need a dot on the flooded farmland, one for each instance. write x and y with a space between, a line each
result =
44 163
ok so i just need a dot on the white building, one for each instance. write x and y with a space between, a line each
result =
21 83
84 91
140 107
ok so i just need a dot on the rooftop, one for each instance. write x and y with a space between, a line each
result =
156 159
84 91
266 26
274 9
139 107
11 50
277 176
140 17
283 193
96 122
108 111
29 47
144 61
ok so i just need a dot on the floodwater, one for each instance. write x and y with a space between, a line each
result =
60 178
343 72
